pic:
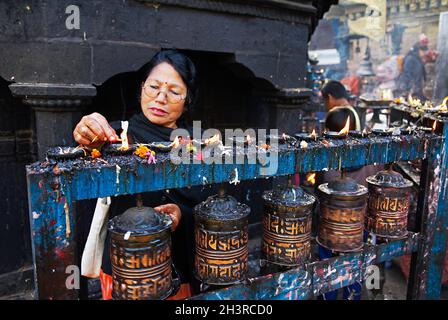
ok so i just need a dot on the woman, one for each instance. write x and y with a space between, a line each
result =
167 92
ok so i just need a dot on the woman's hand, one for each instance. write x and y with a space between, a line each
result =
93 131
173 211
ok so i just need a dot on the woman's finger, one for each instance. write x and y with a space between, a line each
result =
109 133
87 133
97 130
173 211
80 139
164 208
175 221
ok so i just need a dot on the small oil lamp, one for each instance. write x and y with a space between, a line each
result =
287 225
382 132
221 234
123 148
270 138
406 131
212 140
65 153
303 136
358 134
424 129
118 150
289 139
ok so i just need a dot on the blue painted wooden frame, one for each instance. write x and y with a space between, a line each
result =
53 190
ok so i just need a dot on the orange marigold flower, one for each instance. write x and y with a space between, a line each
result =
95 153
141 151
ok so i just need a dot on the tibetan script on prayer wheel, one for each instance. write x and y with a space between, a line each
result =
287 225
389 197
140 253
221 235
342 213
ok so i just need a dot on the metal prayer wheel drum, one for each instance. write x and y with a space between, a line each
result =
343 205
140 253
221 234
287 225
388 206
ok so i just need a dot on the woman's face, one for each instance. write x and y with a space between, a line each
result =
163 96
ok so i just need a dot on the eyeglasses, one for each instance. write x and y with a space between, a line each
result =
153 90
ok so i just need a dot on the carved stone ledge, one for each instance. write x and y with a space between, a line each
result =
53 104
285 10
54 97
286 98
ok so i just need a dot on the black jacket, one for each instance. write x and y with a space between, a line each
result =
413 76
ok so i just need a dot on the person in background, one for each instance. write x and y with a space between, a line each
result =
339 110
336 98
413 76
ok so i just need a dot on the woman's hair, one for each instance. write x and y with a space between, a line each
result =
182 64
336 89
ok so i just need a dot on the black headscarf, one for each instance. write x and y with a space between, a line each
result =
141 130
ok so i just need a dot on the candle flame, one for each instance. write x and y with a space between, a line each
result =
313 134
414 102
346 128
399 100
434 126
124 136
175 144
311 178
444 105
213 139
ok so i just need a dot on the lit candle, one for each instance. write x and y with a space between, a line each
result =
313 135
124 136
346 128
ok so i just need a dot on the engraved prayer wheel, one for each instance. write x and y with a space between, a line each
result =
343 205
140 253
221 234
287 225
388 205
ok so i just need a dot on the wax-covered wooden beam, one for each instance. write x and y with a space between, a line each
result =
54 187
128 175
53 229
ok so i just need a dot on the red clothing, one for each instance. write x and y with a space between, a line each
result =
352 83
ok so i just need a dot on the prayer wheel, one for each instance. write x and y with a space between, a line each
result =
343 205
287 225
140 253
221 235
388 205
